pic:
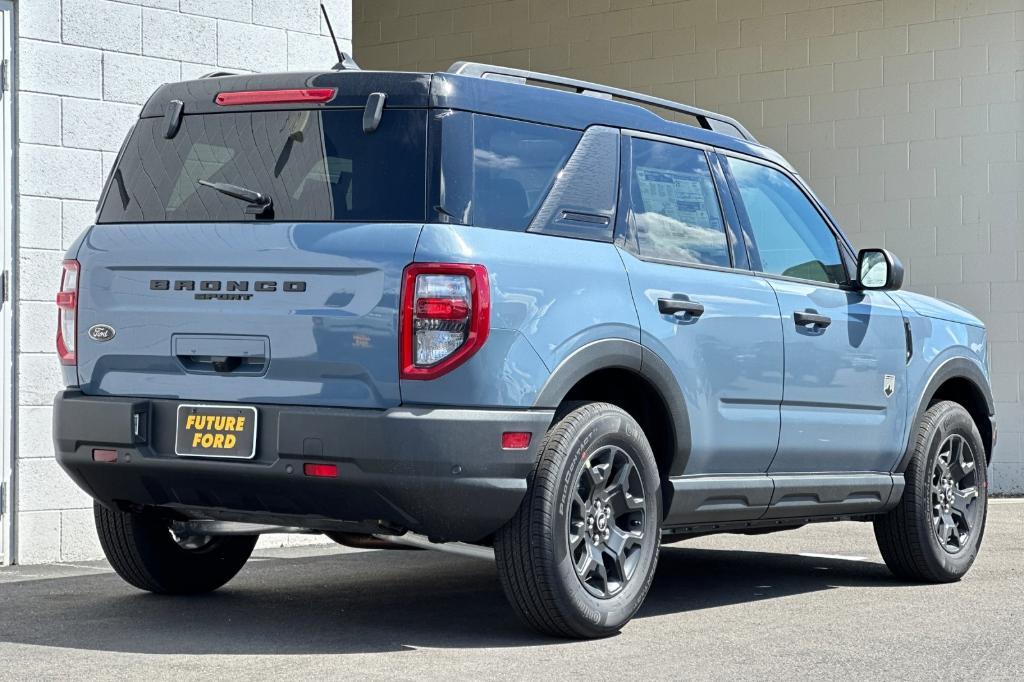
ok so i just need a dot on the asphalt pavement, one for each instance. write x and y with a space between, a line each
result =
806 603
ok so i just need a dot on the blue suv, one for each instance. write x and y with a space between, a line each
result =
555 321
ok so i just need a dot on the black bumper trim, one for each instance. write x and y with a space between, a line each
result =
440 472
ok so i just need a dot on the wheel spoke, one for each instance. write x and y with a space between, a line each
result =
622 502
947 529
602 573
621 479
962 500
620 541
618 565
956 450
961 468
586 563
598 478
576 535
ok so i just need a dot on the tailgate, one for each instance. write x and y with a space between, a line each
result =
275 312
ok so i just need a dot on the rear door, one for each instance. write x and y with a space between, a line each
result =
207 299
844 403
713 322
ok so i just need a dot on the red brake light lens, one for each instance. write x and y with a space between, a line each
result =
67 312
442 308
445 317
296 96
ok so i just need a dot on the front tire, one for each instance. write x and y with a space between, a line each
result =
142 550
579 556
935 532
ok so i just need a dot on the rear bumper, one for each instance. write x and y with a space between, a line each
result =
440 472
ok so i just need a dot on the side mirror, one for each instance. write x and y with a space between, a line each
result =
879 270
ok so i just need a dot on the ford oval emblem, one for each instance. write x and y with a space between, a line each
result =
101 332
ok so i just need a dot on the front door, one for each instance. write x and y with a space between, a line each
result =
844 399
714 323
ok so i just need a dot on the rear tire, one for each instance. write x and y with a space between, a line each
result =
143 552
935 532
579 556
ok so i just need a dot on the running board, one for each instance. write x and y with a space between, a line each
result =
709 500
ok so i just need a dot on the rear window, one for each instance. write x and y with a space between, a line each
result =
315 165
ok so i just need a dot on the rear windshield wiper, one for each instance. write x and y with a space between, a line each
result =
259 204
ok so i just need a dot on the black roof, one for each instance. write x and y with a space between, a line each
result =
508 97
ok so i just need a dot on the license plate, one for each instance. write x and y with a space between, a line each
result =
216 431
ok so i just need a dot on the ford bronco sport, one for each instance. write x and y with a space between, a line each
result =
557 320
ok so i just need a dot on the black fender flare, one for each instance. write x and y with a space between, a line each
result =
632 356
953 368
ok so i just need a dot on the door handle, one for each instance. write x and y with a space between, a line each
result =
680 307
804 318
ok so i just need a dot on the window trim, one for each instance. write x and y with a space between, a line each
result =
842 244
625 229
738 244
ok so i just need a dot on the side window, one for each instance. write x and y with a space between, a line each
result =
790 235
514 165
674 206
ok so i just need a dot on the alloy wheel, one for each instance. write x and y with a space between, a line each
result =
606 521
954 494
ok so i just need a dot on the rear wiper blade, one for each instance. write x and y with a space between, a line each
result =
259 203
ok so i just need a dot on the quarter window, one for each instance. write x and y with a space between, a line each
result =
514 164
495 172
674 205
790 235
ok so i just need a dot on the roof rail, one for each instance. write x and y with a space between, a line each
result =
707 119
218 74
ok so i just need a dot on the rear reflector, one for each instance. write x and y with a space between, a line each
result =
299 96
104 455
515 440
321 470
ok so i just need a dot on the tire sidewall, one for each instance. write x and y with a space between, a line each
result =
608 427
952 419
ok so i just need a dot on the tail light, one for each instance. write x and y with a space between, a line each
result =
445 317
67 313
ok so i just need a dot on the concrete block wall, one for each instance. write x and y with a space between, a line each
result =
83 68
906 116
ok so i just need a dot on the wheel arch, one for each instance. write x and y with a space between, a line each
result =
961 381
626 374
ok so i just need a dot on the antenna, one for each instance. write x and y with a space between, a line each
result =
345 61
